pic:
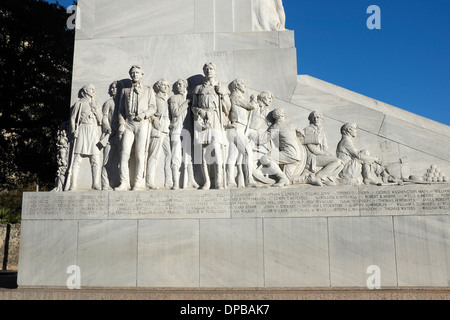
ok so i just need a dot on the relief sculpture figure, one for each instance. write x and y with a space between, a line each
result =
137 106
257 126
211 106
180 115
323 165
235 138
286 151
358 163
85 120
110 141
240 151
268 15
160 138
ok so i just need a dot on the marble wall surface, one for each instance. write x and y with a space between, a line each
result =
293 244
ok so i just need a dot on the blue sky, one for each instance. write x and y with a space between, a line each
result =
406 63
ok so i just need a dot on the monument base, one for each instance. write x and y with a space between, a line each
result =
225 294
296 237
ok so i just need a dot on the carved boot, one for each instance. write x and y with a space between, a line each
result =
219 177
312 179
96 185
231 182
207 183
73 182
282 178
151 176
240 177
139 185
176 178
191 179
105 180
249 181
124 173
96 173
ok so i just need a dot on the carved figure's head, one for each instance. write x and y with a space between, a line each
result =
278 115
349 129
265 98
315 118
209 70
181 86
239 84
114 88
136 73
162 86
88 90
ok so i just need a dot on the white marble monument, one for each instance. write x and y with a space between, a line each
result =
222 167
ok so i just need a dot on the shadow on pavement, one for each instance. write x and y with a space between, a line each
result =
8 279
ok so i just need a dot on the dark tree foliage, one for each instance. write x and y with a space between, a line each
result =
36 53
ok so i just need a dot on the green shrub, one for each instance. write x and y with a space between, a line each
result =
8 216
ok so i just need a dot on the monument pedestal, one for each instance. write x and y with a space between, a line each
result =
297 237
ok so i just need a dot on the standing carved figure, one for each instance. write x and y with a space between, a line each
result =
211 106
323 165
268 15
160 139
137 106
180 126
85 121
110 141
240 151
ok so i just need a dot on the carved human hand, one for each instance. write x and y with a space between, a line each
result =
140 116
221 90
107 128
202 113
253 135
121 130
230 125
156 123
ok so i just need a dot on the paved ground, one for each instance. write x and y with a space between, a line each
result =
10 291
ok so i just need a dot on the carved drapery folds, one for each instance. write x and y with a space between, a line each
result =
268 15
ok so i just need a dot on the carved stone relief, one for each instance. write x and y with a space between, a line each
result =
268 15
216 130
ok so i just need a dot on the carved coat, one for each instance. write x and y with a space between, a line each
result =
316 144
136 100
85 120
209 128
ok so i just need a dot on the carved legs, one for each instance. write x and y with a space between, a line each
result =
95 170
75 171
